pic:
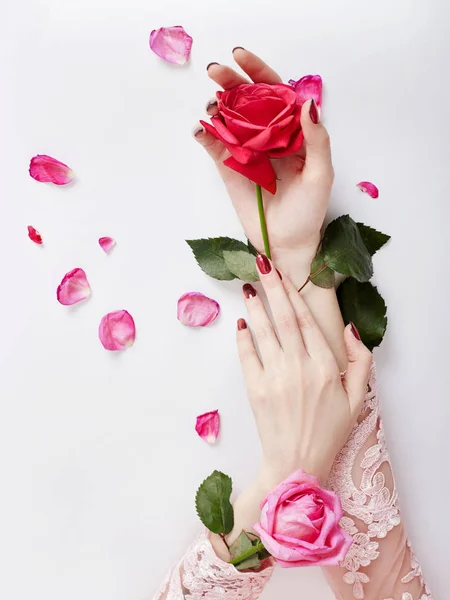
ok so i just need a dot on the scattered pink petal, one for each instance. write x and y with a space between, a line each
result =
73 288
47 169
368 188
208 426
172 44
309 86
117 330
107 244
34 235
197 310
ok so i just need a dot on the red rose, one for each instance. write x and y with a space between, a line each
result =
256 122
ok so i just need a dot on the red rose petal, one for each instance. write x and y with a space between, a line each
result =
208 425
197 310
107 244
73 288
49 170
260 172
368 188
172 44
117 330
34 235
309 86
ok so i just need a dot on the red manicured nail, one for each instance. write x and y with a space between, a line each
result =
355 331
280 275
313 112
249 290
263 263
241 324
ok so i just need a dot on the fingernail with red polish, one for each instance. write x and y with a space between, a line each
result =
263 263
280 275
355 331
249 290
313 112
211 64
241 324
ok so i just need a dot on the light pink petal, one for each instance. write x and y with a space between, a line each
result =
208 426
309 86
107 244
368 188
117 330
73 288
172 44
197 310
47 169
34 235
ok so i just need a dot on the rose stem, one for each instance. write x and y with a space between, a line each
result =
250 552
262 220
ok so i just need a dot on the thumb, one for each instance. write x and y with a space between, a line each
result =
359 363
317 141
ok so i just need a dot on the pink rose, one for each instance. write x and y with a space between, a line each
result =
256 122
300 524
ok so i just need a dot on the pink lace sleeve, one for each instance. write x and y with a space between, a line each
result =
380 565
201 575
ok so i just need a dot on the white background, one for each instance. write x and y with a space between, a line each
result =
99 461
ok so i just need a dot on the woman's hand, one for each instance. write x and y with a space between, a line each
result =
303 409
296 213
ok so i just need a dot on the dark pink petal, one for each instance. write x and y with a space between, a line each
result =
309 86
208 426
117 330
73 288
368 188
47 169
107 244
197 310
172 44
34 235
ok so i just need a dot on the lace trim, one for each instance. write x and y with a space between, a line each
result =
201 575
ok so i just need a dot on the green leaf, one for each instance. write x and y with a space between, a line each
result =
321 275
213 503
241 545
209 255
373 239
242 264
343 249
362 304
251 248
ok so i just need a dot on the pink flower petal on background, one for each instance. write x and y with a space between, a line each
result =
309 86
34 235
368 188
117 330
172 44
73 288
197 310
107 244
47 169
208 426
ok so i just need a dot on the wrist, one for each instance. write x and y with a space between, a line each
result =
295 262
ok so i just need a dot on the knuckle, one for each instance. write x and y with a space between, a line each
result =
305 319
262 333
287 324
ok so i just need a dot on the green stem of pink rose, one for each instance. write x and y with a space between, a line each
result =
259 547
262 220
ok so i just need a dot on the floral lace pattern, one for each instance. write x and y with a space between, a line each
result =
201 575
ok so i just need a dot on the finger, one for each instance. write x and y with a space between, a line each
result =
282 311
212 107
250 363
268 344
358 370
214 147
314 341
225 76
255 68
317 142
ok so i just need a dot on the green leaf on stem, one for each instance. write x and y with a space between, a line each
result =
373 239
213 504
321 275
242 264
242 544
209 255
343 249
363 304
251 248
